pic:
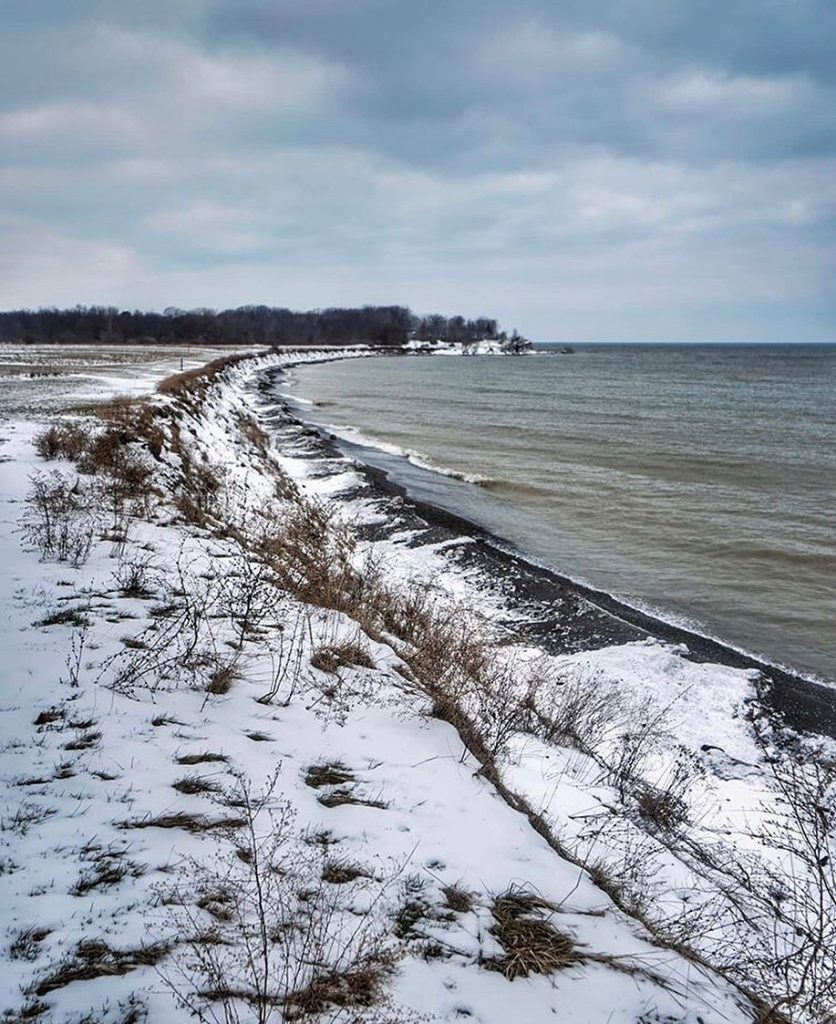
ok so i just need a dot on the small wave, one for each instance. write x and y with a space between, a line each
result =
516 487
415 458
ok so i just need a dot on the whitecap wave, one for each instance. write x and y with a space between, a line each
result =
416 458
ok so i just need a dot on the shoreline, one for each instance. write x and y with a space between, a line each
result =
558 613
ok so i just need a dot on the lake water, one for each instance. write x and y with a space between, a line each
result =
695 481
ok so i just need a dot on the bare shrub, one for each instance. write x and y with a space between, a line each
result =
286 944
286 647
311 555
61 517
788 911
134 578
247 594
574 708
664 803
179 647
64 440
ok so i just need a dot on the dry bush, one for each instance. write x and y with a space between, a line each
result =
254 433
178 648
247 594
784 932
61 517
664 802
574 708
221 677
125 474
134 577
199 488
63 440
311 555
192 385
285 944
137 421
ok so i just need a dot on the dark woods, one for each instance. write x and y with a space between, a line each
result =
257 325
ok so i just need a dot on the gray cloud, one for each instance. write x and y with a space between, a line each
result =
632 169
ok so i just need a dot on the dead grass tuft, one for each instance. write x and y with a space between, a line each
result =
108 868
458 899
219 903
85 740
64 617
194 823
93 958
340 797
332 774
360 986
26 943
50 716
194 785
342 872
221 679
531 943
336 656
205 757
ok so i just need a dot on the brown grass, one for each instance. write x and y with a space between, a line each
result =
333 773
221 679
457 899
204 757
342 872
194 823
531 943
62 441
194 785
93 958
192 384
339 797
336 656
50 716
360 986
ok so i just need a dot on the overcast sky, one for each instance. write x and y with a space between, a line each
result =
582 169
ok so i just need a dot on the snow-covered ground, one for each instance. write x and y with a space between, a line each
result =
155 752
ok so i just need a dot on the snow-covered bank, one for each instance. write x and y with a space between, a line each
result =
206 652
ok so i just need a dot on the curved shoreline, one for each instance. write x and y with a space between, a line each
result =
563 614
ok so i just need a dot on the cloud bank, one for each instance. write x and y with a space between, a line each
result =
625 170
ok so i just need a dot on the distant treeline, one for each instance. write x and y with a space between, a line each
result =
256 325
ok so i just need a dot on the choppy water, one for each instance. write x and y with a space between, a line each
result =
699 481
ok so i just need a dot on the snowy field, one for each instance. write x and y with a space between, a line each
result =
264 759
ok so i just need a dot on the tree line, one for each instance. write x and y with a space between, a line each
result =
256 325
